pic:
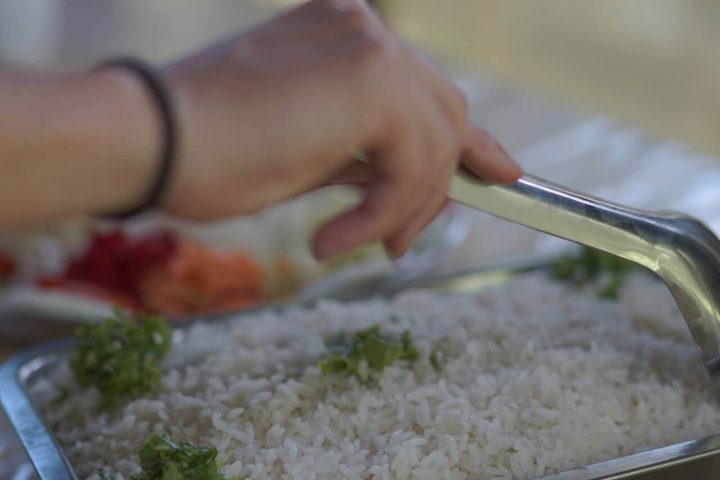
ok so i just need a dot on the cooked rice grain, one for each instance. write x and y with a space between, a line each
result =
535 379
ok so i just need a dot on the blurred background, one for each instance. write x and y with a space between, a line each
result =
650 63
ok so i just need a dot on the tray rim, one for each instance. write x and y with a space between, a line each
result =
51 463
44 452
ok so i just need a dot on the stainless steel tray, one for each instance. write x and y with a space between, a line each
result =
697 459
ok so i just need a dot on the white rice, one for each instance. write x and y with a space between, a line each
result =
537 378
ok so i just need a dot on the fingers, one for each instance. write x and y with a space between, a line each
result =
487 159
482 154
396 215
389 201
356 173
420 132
379 219
400 243
445 161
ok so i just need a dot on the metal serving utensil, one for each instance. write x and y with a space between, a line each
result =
679 248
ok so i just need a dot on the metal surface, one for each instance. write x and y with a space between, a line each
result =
48 459
693 459
679 248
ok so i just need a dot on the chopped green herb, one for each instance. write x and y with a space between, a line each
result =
564 268
162 458
592 266
435 362
611 290
63 394
394 319
119 356
377 349
334 364
511 450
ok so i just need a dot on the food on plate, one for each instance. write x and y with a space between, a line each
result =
367 351
534 377
87 266
111 266
117 262
162 458
8 267
595 267
197 279
160 272
120 356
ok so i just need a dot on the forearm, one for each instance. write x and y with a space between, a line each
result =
73 144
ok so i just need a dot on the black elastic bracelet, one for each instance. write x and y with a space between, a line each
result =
161 96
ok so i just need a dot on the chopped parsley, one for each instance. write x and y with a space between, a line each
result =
594 266
120 355
435 362
378 349
162 458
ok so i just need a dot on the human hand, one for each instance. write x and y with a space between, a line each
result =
278 111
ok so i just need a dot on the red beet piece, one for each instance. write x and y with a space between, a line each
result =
117 261
8 267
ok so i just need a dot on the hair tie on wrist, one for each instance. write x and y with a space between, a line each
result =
161 96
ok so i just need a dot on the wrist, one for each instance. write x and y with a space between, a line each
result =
127 127
87 142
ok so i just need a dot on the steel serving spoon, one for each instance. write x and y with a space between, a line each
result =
678 247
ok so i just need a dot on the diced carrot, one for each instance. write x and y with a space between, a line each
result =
197 279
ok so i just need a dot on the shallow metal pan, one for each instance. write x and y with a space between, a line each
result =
696 459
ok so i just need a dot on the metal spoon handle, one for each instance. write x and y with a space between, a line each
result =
679 248
559 211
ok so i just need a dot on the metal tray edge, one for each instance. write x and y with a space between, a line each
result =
44 453
51 464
